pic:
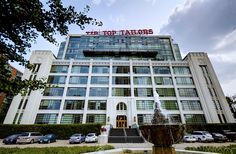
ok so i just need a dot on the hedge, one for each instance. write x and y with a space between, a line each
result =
63 131
220 149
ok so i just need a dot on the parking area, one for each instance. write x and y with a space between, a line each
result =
116 145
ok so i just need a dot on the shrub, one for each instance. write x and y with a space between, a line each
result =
222 149
63 131
55 150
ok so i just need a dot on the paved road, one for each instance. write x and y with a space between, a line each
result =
116 145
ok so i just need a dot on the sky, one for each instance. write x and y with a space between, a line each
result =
196 25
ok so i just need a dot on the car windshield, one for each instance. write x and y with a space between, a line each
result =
25 134
13 136
48 135
76 135
89 135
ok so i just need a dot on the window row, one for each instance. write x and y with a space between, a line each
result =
69 118
101 105
117 80
138 92
174 118
72 105
121 69
101 118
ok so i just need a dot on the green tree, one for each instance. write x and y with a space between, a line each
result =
21 22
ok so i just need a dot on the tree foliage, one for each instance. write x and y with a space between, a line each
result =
22 21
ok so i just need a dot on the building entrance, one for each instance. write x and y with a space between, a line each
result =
121 121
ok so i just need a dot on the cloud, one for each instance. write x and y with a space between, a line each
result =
107 2
96 2
152 1
209 26
117 19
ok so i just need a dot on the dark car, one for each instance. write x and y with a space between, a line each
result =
219 137
77 138
230 135
49 138
11 139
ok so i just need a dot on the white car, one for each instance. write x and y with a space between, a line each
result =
203 136
91 137
189 138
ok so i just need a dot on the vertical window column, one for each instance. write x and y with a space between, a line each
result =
87 91
64 92
177 94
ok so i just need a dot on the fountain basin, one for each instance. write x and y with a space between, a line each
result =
162 135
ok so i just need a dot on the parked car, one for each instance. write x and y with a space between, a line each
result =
77 138
203 136
47 138
91 137
189 138
29 137
230 135
11 139
219 137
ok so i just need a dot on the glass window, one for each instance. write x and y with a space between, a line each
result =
46 118
143 92
187 92
174 118
121 92
169 104
71 118
50 104
195 118
120 80
74 105
184 81
80 69
78 80
97 105
143 80
99 80
100 69
161 70
121 106
96 118
98 91
141 70
145 105
181 70
191 105
166 92
76 91
53 91
59 69
144 119
57 79
121 69
163 80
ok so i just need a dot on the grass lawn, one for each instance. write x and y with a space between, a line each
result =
231 149
55 150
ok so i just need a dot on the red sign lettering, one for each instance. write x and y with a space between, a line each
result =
122 32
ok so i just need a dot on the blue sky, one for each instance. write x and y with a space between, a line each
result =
196 25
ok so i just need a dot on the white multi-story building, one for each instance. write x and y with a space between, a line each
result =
111 79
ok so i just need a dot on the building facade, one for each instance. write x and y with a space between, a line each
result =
111 79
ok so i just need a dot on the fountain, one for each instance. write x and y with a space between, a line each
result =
163 133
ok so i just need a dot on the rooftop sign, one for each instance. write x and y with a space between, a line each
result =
122 32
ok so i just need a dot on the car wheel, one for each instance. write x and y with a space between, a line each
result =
199 140
32 141
49 141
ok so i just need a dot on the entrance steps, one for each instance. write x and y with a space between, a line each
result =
125 135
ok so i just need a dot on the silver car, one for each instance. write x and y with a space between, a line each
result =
29 137
91 137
